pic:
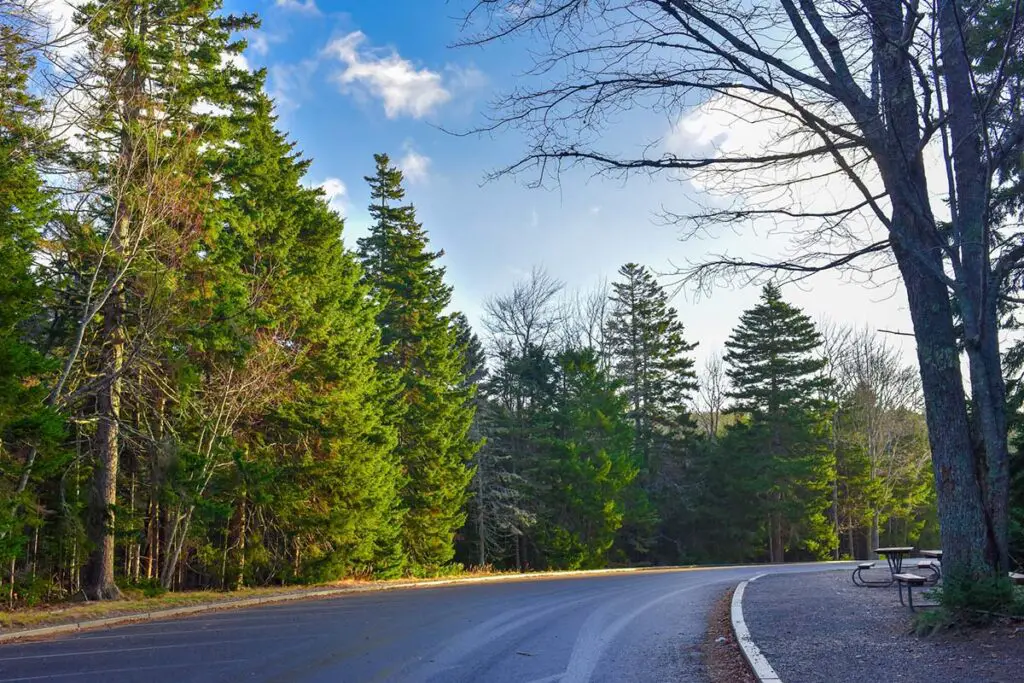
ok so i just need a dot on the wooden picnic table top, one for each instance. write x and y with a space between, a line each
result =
894 551
937 554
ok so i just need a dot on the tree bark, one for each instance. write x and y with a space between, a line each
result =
873 537
99 572
778 547
979 290
965 535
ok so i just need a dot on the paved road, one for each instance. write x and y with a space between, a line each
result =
644 626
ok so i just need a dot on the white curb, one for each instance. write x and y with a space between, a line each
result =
763 671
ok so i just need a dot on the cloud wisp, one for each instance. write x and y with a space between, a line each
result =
301 6
415 166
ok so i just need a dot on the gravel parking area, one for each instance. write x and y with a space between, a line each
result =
820 627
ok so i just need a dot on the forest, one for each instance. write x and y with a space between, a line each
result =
204 384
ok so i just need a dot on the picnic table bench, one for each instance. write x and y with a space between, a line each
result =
908 580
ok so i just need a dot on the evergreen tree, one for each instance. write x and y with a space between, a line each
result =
650 358
157 89
288 278
586 472
777 382
27 425
420 346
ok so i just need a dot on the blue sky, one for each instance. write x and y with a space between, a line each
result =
356 77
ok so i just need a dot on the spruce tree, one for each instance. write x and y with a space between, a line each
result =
286 276
27 426
587 468
777 384
420 344
157 90
650 358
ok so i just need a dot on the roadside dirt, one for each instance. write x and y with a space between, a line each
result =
723 660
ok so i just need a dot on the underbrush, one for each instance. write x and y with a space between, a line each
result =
971 604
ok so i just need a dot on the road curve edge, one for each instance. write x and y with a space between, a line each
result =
759 665
311 594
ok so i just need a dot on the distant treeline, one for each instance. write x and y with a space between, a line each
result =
605 445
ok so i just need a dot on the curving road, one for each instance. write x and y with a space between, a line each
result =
643 626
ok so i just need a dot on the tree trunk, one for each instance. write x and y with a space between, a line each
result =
778 547
965 536
99 572
175 544
480 525
873 538
835 516
979 291
242 522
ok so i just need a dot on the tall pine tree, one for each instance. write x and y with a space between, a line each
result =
316 459
27 425
420 343
777 384
650 358
156 85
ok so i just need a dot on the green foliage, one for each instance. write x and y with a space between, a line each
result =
777 380
588 465
30 429
288 411
970 602
651 360
421 347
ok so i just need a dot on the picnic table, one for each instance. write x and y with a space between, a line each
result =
894 556
934 554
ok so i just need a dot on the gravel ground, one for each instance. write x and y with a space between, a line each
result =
818 628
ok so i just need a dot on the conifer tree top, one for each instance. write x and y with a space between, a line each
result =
772 357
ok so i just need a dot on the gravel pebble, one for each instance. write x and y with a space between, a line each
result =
820 628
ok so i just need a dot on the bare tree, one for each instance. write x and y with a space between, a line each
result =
851 91
585 315
528 315
713 385
874 390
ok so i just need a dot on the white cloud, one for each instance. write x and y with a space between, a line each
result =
729 127
403 88
463 78
303 6
415 166
336 194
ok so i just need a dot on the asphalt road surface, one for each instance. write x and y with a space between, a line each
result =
632 627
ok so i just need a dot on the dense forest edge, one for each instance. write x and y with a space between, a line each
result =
203 385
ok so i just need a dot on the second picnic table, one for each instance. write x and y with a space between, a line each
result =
894 556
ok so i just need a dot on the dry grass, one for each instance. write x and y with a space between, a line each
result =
135 602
